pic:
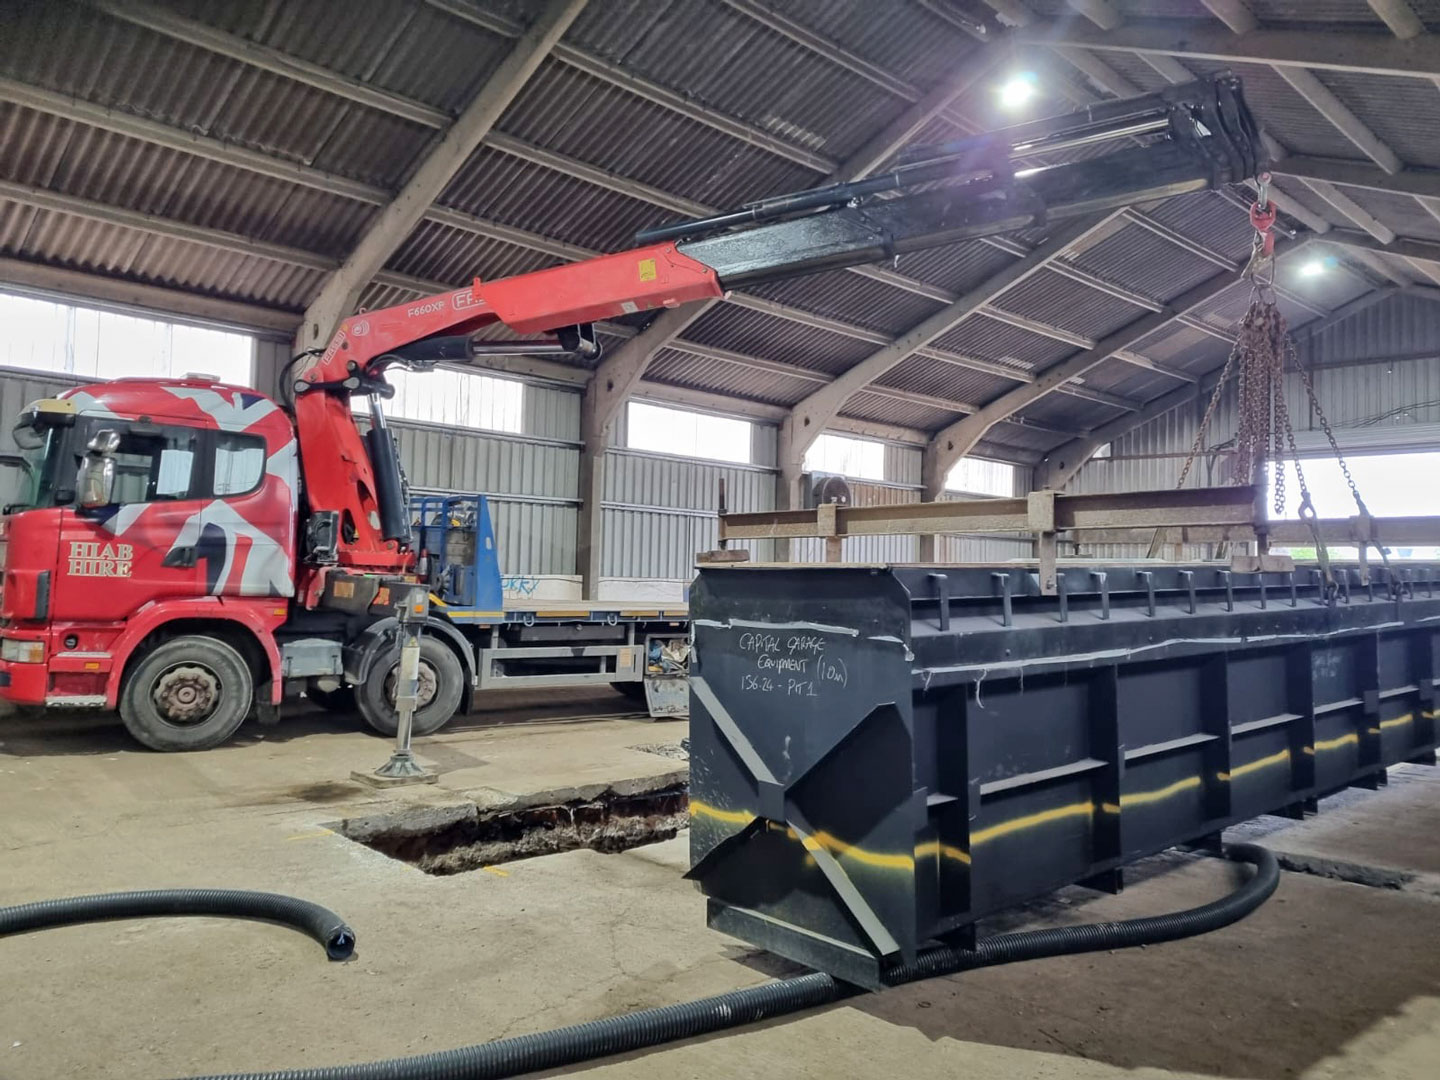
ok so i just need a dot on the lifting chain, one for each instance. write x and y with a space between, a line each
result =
1262 352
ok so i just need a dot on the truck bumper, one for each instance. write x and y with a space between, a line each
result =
23 684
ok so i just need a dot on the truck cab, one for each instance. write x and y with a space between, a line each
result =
151 512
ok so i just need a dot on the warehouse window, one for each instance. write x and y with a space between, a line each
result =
90 343
1392 485
454 398
687 433
975 476
863 459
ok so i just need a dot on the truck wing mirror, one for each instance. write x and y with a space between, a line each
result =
95 483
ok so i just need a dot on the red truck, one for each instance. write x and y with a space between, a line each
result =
190 552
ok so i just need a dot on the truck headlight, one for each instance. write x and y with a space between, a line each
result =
22 652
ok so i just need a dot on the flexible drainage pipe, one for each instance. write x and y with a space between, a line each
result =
651 1027
320 923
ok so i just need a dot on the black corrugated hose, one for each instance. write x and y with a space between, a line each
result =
651 1027
320 923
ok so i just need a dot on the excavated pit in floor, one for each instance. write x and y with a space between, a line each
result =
609 822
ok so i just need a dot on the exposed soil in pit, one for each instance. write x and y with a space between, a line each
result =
609 822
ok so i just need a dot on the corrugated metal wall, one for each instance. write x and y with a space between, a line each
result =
533 478
1374 405
1383 406
660 511
871 549
18 389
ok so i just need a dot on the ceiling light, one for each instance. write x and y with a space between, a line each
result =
1314 268
1018 90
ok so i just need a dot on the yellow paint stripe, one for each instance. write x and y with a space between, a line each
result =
1348 739
946 851
1398 721
734 817
824 841
1255 766
1141 798
1030 821
486 614
311 835
496 871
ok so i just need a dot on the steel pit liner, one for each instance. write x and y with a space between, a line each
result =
882 755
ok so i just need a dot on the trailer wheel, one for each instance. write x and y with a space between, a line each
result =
191 693
441 685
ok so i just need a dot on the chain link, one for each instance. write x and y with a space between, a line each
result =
1264 434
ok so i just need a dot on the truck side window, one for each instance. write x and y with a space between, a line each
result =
154 465
239 463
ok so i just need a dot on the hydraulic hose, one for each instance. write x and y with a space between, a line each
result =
668 1023
320 923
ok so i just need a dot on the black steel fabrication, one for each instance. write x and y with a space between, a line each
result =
882 755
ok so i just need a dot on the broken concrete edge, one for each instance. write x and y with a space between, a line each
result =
410 819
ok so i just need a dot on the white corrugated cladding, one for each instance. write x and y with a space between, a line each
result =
18 389
1389 402
660 511
1376 376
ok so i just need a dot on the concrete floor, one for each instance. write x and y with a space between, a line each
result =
1330 979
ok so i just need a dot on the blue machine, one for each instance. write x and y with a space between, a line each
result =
454 533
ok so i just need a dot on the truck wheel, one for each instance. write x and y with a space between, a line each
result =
190 693
441 684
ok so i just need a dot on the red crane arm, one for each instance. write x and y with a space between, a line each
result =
1176 140
338 470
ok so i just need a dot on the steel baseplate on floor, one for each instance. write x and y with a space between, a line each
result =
882 755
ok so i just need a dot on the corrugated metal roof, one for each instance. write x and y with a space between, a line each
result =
1138 260
910 40
709 52
1396 211
1128 380
741 67
1225 226
958 267
1316 12
1403 113
1137 9
567 111
852 299
941 378
989 339
759 334
1066 410
502 188
676 367
1069 304
1282 112
452 256
888 410
75 159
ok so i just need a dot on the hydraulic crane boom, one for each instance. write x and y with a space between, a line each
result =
1185 138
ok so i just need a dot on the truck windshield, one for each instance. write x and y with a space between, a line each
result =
41 448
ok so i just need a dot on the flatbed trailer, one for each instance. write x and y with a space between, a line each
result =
641 649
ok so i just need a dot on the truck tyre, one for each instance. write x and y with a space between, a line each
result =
191 693
441 685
